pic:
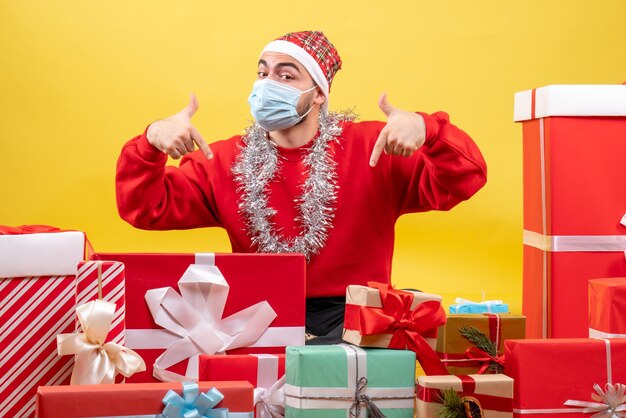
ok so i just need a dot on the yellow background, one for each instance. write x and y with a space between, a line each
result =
79 78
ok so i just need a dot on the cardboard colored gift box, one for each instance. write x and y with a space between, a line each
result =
380 316
493 393
253 278
34 307
607 307
326 381
452 346
263 371
550 372
132 400
574 182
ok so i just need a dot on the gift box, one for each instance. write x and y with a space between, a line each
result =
492 395
461 356
463 306
330 381
139 399
573 200
607 308
37 302
548 373
187 280
264 371
380 316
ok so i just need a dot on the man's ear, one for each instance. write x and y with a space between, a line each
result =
319 96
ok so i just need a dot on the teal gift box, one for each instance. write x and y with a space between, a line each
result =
464 306
340 381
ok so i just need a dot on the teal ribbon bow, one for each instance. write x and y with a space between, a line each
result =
193 403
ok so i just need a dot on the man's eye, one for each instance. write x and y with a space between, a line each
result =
261 74
286 77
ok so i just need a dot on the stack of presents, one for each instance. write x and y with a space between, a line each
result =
87 334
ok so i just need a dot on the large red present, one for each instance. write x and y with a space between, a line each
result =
264 371
196 328
574 200
144 400
607 308
550 372
37 302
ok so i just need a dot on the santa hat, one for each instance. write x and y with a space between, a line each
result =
314 51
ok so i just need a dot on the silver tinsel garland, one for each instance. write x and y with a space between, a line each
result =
258 164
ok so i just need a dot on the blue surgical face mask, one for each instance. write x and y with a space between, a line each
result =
273 104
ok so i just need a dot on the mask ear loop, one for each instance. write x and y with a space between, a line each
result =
312 106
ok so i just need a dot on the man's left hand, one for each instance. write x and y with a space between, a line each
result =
403 134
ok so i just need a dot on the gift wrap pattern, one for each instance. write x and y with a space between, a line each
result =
332 381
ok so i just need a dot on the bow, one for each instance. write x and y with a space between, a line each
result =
406 325
270 403
484 358
195 316
361 398
96 361
193 403
609 403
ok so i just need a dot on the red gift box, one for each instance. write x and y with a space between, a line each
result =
278 279
574 199
33 310
262 370
137 399
547 373
607 308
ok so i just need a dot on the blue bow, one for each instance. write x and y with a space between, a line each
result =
193 403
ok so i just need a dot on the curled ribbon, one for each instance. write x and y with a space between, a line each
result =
195 316
270 403
609 403
96 361
193 403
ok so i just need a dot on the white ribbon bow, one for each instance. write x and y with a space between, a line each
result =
96 361
195 316
610 402
270 402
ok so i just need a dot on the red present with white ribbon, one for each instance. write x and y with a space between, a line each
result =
381 316
37 302
264 371
607 308
574 200
184 305
553 375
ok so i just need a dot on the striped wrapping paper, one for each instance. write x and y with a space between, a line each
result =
33 310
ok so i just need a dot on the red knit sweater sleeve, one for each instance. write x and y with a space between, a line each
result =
151 195
445 171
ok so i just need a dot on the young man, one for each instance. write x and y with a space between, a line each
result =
302 179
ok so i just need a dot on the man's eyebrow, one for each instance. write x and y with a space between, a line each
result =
281 64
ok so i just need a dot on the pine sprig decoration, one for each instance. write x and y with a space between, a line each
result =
453 405
481 341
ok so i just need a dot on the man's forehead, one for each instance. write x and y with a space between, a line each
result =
276 57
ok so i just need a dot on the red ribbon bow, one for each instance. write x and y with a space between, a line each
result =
406 326
484 358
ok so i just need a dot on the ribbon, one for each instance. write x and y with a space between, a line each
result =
269 395
27 229
484 358
609 403
270 402
487 402
96 361
406 326
465 306
195 317
193 403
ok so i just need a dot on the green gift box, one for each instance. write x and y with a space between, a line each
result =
342 381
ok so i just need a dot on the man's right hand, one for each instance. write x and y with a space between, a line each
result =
176 136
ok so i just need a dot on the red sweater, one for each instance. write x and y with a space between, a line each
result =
201 193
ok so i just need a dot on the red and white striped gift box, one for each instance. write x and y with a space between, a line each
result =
34 308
